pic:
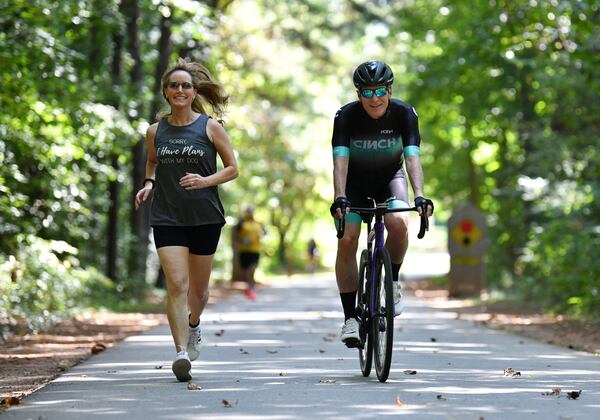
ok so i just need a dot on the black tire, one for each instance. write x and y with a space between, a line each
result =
365 352
383 322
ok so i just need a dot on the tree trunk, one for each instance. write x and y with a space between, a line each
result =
473 177
236 268
139 220
114 189
113 222
164 53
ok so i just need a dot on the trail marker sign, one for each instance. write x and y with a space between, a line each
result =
467 243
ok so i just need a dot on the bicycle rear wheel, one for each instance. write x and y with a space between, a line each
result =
383 322
365 351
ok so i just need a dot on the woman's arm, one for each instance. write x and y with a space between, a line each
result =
144 193
217 134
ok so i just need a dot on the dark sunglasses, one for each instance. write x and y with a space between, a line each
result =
184 85
379 92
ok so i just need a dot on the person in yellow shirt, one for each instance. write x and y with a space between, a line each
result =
248 235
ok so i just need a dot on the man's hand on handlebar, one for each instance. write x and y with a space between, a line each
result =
424 205
339 206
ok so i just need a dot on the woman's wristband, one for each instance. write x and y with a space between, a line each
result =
151 180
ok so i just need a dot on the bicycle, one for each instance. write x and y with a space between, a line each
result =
375 296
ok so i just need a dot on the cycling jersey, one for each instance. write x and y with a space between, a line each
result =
375 147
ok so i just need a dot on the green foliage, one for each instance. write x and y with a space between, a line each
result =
560 268
506 93
44 282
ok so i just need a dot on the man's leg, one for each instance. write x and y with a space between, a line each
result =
397 244
397 239
346 271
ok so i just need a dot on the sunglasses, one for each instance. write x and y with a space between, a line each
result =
184 85
379 92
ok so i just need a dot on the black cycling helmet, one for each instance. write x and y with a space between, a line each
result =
373 73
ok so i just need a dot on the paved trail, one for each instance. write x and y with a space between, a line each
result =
280 358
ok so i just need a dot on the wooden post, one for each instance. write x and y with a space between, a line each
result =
467 243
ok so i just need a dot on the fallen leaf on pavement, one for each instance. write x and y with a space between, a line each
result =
98 347
410 372
398 402
8 401
555 391
192 386
511 373
573 395
271 351
227 404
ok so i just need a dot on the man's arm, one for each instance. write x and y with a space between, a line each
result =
415 174
340 173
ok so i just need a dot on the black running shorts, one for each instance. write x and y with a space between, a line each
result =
248 259
200 240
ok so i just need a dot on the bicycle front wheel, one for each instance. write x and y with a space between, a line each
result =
383 322
365 351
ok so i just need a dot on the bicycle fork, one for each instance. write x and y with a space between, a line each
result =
376 233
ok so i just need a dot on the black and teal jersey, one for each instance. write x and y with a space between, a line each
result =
375 148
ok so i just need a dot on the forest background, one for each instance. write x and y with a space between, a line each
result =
507 95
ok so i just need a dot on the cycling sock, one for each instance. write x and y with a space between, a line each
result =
349 304
395 271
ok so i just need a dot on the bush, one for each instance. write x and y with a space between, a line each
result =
44 283
560 268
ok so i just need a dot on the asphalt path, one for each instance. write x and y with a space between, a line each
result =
280 358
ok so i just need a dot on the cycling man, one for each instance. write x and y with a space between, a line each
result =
371 139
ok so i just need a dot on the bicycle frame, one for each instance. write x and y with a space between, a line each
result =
376 234
375 296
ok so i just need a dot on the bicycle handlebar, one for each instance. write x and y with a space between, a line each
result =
373 210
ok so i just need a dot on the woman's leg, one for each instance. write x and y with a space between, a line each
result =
174 262
200 267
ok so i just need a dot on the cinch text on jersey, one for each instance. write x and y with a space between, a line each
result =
374 144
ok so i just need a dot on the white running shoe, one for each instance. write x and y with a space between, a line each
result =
194 343
182 366
398 301
350 336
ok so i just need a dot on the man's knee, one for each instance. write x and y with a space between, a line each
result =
348 244
397 226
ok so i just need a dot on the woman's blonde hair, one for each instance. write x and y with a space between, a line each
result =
207 88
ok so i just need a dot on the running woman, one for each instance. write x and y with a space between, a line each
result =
186 213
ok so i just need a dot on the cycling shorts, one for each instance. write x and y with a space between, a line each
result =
359 195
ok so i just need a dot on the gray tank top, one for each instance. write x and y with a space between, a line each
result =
181 149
